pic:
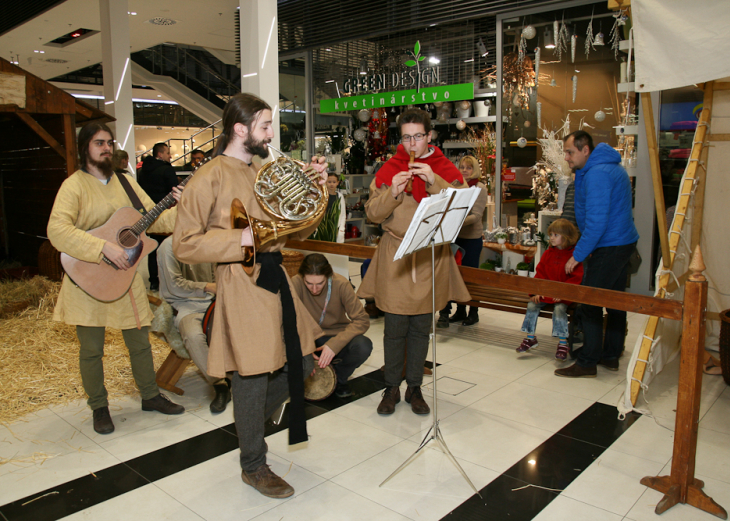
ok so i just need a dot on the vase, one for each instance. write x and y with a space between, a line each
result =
522 273
501 241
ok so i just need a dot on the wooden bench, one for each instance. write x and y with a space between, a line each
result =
505 300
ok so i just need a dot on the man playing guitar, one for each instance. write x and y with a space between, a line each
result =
86 200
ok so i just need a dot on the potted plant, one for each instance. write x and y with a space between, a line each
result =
523 269
498 264
489 266
501 237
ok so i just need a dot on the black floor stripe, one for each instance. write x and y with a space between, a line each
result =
553 465
84 492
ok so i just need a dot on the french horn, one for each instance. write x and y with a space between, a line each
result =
289 191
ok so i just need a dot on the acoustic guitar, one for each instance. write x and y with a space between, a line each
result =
103 280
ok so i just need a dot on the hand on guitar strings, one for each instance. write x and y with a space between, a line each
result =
319 163
116 255
325 357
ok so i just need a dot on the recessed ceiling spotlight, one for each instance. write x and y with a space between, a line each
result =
158 20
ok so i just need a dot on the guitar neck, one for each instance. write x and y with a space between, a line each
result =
151 216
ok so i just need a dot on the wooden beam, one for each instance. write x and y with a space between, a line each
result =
698 204
69 134
722 85
597 297
656 176
43 133
718 137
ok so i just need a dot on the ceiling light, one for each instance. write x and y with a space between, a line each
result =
547 40
330 81
159 20
434 60
469 60
482 48
363 67
328 50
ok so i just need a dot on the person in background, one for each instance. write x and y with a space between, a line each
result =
603 210
120 162
189 289
157 177
402 288
331 301
563 236
197 157
470 238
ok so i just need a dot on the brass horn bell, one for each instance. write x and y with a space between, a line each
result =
290 193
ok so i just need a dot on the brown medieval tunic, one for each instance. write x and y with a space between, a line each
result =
247 331
391 283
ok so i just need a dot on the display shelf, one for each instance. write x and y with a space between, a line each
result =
457 145
485 93
517 248
626 87
473 119
628 130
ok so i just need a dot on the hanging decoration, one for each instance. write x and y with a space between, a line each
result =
620 19
589 37
528 33
556 37
527 123
518 79
575 86
599 116
483 143
598 40
363 115
562 39
461 125
537 66
553 83
378 135
522 142
573 45
551 168
359 135
539 113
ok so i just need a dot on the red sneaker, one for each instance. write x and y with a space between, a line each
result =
526 345
562 352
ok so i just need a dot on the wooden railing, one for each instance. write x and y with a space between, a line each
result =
680 486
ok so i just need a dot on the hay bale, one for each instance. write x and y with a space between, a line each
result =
41 358
17 295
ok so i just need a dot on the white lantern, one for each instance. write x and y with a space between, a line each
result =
461 125
522 142
599 116
529 32
363 115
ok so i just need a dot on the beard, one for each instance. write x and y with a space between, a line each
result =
104 166
257 148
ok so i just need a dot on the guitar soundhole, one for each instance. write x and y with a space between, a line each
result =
127 238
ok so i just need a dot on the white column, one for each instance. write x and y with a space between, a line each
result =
260 54
117 72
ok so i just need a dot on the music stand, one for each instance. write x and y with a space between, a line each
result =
425 227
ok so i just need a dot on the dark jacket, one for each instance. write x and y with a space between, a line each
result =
603 203
157 178
569 205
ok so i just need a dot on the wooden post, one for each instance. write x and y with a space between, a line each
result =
698 204
682 486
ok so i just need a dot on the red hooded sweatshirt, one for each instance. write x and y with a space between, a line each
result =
552 267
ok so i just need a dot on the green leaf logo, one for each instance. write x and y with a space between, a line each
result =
417 58
410 63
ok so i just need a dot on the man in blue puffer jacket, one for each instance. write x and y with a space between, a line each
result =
608 238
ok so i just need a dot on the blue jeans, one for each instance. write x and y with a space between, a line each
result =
560 318
350 357
605 268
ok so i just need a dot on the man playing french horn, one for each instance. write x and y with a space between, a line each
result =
262 335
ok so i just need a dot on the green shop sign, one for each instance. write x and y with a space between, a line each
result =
458 92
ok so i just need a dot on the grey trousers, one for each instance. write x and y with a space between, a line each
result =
92 367
401 331
191 331
255 398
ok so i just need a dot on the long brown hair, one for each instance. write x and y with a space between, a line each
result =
315 264
241 108
86 134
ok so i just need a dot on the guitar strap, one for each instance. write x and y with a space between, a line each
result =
133 197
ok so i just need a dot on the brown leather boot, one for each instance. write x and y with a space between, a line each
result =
267 483
391 396
415 398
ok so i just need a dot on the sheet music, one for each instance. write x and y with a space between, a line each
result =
428 215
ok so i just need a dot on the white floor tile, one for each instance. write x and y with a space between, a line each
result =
713 455
540 408
717 416
173 430
402 423
563 508
500 362
612 481
144 503
219 493
428 488
479 385
647 440
330 502
335 445
489 441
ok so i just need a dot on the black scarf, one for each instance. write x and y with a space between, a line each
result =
272 278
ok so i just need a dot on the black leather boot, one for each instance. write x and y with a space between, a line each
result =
459 315
473 317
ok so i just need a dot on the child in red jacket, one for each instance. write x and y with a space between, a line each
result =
563 236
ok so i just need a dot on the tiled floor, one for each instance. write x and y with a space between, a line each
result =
509 422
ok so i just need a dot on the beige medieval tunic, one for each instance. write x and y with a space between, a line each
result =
248 334
403 287
83 203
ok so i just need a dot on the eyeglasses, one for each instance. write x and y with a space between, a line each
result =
417 137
